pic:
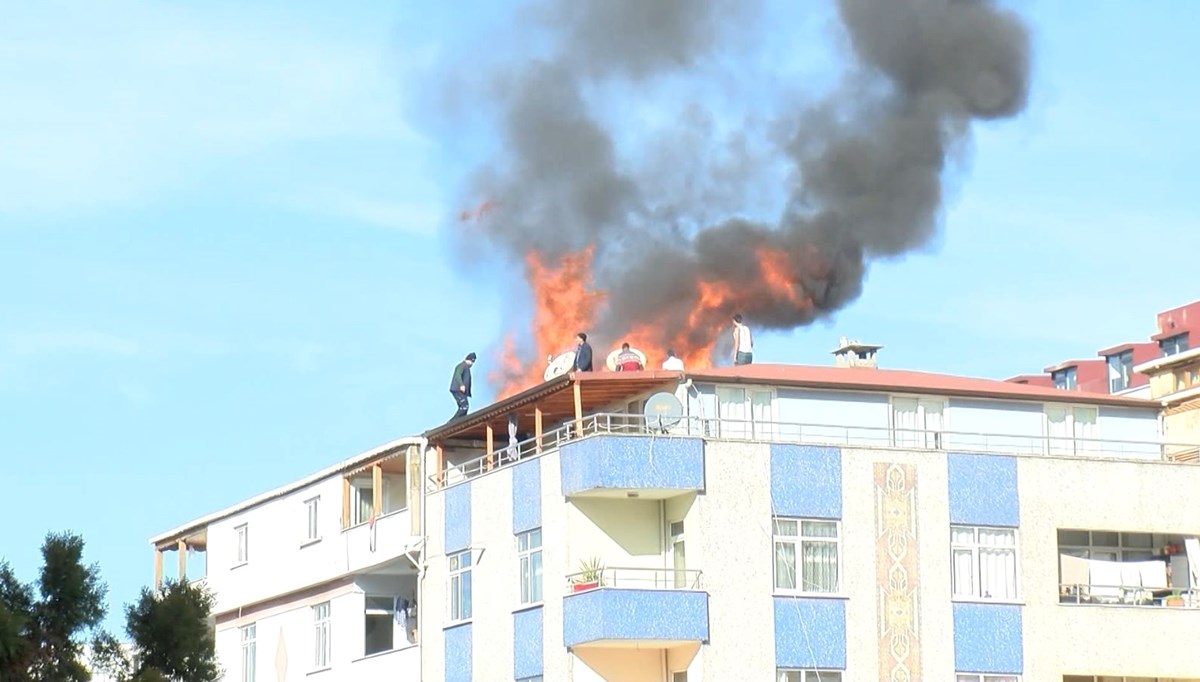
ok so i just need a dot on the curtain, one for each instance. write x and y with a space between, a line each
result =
1084 419
785 565
1058 431
819 558
762 415
962 561
905 423
731 407
932 412
997 563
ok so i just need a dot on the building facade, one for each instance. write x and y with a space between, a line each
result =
760 522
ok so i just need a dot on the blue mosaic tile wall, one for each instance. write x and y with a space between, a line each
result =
806 481
458 653
458 517
987 639
527 496
620 462
810 633
527 643
607 613
983 490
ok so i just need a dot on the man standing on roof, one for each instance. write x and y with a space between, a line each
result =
583 354
628 361
672 363
460 385
743 344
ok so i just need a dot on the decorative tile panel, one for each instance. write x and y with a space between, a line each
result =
527 496
810 633
527 643
632 462
458 517
897 571
987 639
806 481
983 490
458 653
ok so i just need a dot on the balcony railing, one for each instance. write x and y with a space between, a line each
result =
638 579
1126 595
616 424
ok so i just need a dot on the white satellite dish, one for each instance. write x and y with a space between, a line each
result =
611 361
663 411
559 365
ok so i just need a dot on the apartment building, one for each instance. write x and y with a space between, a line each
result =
760 522
1115 370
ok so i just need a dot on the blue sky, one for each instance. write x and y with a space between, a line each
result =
225 263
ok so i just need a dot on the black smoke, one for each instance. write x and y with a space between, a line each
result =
866 162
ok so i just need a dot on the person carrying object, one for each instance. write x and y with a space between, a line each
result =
460 385
583 354
743 344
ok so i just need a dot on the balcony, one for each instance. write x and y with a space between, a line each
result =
397 664
650 467
656 608
368 545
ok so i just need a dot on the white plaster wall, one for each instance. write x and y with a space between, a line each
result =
867 414
433 604
735 552
287 633
496 582
1023 422
278 563
556 539
936 618
1121 496
1137 428
623 533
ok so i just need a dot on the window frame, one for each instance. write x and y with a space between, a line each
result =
1069 376
808 674
977 567
528 577
1122 363
799 540
1076 443
389 611
1171 345
322 635
925 438
986 677
242 555
1119 552
248 635
312 518
747 427
460 575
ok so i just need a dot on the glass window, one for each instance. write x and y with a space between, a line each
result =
807 555
529 554
1120 371
1174 345
1065 379
460 586
243 543
984 562
792 675
313 531
975 677
379 625
322 645
249 652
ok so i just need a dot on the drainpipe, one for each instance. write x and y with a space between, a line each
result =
423 446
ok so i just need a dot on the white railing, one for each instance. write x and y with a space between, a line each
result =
810 434
1126 595
637 579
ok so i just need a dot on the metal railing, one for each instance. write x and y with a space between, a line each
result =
752 430
1094 594
637 579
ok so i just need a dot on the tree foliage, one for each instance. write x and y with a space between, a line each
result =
42 634
172 634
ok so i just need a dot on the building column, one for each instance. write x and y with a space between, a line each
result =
158 559
182 545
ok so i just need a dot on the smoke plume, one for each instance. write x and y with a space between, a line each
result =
866 161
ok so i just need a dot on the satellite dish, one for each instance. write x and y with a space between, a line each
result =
559 365
611 361
663 410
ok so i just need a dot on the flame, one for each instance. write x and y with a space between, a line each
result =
565 303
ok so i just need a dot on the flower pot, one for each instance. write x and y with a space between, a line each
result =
1173 601
583 587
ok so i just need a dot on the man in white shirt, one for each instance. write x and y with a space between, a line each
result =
743 344
672 363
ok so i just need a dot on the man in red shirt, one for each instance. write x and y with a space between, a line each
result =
628 361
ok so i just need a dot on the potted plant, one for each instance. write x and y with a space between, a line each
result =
591 574
1175 599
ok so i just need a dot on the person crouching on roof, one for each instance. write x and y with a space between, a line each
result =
628 361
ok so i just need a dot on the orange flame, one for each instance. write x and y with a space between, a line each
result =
566 303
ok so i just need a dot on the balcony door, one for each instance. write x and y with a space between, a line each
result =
746 413
677 554
918 422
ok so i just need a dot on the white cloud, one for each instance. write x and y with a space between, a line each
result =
118 104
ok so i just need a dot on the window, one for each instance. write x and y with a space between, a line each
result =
984 562
1120 371
1106 545
322 646
917 422
816 545
1064 379
379 626
1187 378
745 413
975 677
680 676
362 500
535 678
1106 678
243 544
529 552
783 675
249 652
1174 345
678 550
314 529
460 586
1071 430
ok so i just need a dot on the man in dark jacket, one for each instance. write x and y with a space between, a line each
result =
583 354
460 385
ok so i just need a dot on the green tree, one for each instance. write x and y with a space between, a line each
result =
171 632
42 636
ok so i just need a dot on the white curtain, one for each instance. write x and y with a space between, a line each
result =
906 422
1084 430
731 406
932 411
997 563
1058 431
963 561
762 414
819 558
